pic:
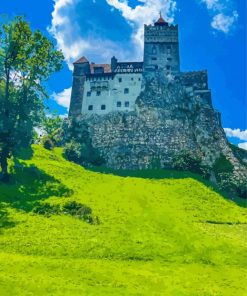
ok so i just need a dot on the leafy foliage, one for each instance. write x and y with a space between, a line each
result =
79 146
26 60
186 161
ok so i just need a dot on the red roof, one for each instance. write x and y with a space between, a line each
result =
81 60
106 67
161 21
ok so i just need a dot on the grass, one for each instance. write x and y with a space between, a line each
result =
164 236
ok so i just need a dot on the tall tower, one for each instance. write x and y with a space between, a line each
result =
81 69
161 48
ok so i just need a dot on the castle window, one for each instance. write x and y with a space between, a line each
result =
169 47
154 50
127 104
119 104
156 67
90 107
168 67
120 79
169 59
103 107
154 59
139 79
98 93
126 90
89 94
132 78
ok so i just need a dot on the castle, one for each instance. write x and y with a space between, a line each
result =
103 88
141 115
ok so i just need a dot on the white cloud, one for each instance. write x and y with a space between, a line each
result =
62 28
144 13
223 15
243 145
63 98
223 22
67 31
236 133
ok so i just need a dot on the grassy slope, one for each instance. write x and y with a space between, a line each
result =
154 236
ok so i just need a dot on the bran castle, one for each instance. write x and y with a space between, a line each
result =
141 115
103 88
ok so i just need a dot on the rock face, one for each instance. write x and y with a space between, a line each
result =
173 114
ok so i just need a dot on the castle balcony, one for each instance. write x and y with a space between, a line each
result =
99 85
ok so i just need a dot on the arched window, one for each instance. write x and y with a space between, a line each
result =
154 50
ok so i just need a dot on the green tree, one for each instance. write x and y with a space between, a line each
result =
27 59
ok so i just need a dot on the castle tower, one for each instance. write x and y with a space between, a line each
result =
161 48
81 69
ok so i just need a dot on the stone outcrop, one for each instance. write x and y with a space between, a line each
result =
171 116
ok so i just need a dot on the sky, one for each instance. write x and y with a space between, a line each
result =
212 36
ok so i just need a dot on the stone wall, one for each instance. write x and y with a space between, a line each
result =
168 120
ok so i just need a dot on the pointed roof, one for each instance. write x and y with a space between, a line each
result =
161 21
81 60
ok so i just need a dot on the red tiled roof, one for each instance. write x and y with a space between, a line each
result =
107 67
161 21
81 60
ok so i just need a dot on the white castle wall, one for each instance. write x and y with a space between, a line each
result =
112 91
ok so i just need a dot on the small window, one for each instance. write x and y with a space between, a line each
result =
119 104
90 107
103 107
98 93
168 67
169 47
156 67
120 79
127 104
126 90
139 79
89 94
169 59
154 59
132 78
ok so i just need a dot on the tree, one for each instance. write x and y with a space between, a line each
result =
52 126
27 59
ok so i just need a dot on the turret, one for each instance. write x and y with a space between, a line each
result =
161 48
81 69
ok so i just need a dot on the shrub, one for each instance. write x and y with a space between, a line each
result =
189 162
46 209
72 151
48 143
82 153
79 210
222 165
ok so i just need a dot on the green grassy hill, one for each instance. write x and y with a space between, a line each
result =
144 236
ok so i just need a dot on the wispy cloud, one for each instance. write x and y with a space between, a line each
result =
144 13
62 98
223 22
223 14
236 133
77 35
243 145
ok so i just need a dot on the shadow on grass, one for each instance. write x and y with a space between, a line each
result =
169 174
28 186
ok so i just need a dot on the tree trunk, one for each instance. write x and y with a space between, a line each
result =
4 166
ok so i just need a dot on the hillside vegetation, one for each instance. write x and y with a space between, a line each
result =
131 236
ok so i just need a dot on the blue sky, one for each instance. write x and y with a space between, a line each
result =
212 37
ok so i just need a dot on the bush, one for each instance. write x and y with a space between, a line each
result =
82 153
48 143
72 151
189 162
46 209
222 165
80 211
